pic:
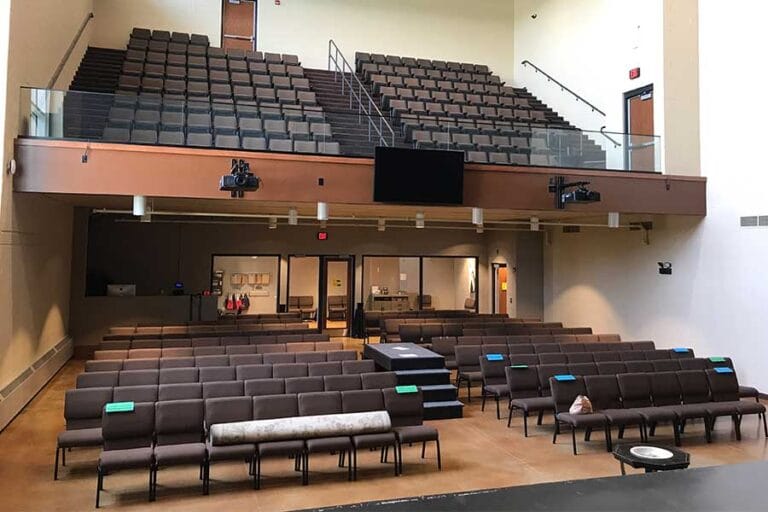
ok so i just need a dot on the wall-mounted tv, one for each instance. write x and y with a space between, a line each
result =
418 176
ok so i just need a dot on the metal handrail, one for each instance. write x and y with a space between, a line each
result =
67 54
365 104
616 143
562 87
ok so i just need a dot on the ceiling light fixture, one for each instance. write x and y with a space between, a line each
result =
273 223
613 219
293 217
477 216
139 205
382 225
534 223
322 211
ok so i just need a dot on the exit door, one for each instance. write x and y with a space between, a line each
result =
336 292
500 288
238 24
640 145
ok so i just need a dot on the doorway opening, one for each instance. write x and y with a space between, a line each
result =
500 289
320 290
337 300
238 24
639 144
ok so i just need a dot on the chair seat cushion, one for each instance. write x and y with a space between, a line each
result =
278 448
748 392
374 440
451 365
472 376
656 414
687 411
497 389
231 452
750 407
582 420
328 444
186 453
534 404
416 433
79 437
126 459
623 416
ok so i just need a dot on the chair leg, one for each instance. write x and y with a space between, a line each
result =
588 434
541 418
498 408
469 390
385 454
99 482
64 457
56 464
509 415
653 428
207 477
306 469
439 461
257 474
525 423
342 457
676 428
423 449
152 483
397 468
765 426
350 468
707 429
621 431
736 419
608 439
399 456
573 438
482 404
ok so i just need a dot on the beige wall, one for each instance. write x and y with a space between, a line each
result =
715 299
35 231
116 18
304 275
478 32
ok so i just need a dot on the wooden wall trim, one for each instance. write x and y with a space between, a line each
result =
52 167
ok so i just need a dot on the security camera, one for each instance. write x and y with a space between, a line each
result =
534 16
665 268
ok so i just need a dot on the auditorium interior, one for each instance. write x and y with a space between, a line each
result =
509 248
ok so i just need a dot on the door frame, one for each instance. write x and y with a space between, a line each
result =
625 108
494 284
322 277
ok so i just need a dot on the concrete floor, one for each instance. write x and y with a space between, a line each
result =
479 452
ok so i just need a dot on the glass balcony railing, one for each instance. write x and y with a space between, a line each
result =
310 129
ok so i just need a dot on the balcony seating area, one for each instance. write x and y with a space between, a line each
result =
463 106
175 89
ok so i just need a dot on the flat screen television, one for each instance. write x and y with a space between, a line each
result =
418 176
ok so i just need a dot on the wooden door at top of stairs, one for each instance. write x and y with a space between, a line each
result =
641 146
238 24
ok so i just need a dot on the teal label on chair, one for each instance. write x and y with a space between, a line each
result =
717 359
494 357
681 350
564 378
119 407
723 369
404 390
519 366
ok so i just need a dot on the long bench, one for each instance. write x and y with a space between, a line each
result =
214 341
216 350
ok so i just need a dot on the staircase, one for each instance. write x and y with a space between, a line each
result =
86 111
440 396
351 134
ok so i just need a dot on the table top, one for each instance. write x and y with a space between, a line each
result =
679 459
402 356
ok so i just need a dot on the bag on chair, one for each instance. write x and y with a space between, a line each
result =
581 405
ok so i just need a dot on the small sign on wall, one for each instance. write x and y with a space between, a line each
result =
634 73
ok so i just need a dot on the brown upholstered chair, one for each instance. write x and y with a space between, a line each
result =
127 444
378 380
563 394
227 410
468 364
314 404
426 303
366 401
604 392
82 413
274 407
407 414
636 394
337 307
179 438
523 386
494 380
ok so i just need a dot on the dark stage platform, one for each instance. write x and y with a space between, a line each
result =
402 356
737 487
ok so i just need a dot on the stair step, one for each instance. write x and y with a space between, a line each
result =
423 377
439 392
443 410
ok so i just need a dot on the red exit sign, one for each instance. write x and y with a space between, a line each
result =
634 73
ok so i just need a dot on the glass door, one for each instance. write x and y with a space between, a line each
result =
337 300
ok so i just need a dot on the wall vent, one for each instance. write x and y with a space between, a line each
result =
749 222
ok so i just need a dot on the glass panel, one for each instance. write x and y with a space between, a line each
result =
497 135
303 286
390 283
450 282
249 282
336 294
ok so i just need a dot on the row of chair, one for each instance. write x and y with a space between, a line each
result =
211 60
371 70
459 107
165 35
645 400
195 90
244 334
174 433
291 77
410 123
228 322
320 342
441 91
178 375
394 60
426 332
271 353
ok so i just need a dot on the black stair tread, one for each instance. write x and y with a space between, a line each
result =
427 371
437 387
444 403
